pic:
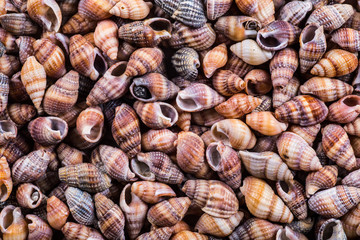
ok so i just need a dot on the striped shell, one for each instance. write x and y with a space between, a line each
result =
131 9
105 37
265 123
227 83
262 10
322 179
50 21
283 66
186 63
294 12
345 110
250 52
214 59
255 228
143 60
347 38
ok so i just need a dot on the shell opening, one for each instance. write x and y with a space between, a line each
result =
213 156
3 191
329 230
141 169
58 126
50 19
269 41
352 101
8 219
309 34
119 70
127 195
92 132
169 112
142 92
160 25
284 186
6 126
186 103
99 64
35 196
220 135
251 25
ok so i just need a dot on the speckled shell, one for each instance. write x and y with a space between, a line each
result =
225 161
334 202
144 60
29 196
57 212
198 97
81 232
12 223
214 59
262 202
255 228
197 38
111 218
312 46
213 197
25 45
234 133
294 12
131 9
331 16
353 128
250 52
277 35
95 10
69 155
84 176
227 83
157 234
90 124
38 228
351 221
62 95
238 105
237 65
308 133
303 110
6 182
262 10
80 205
190 13
336 145
186 63
265 123
105 37
335 63
152 192
265 165
326 89
297 153
293 195
9 64
345 110
237 28
283 66
282 95
18 24
159 140
324 178
15 149
33 77
78 24
347 38
46 13
257 82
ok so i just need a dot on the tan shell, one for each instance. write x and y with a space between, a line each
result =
96 10
158 233
257 82
73 230
283 66
324 178
345 110
282 95
237 65
12 223
262 10
144 60
353 128
188 235
215 9
25 45
287 233
29 196
6 183
214 59
250 52
69 155
308 133
5 88
38 228
159 140
255 228
131 9
347 38
57 212
294 12
106 38
90 123
8 131
78 24
227 83
152 192
265 123
47 13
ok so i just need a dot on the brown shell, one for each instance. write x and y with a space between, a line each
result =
78 24
324 178
15 149
308 133
9 64
18 24
69 155
106 39
283 66
262 10
237 65
251 53
152 192
57 212
6 183
90 123
4 91
257 82
25 45
159 233
188 235
159 140
214 59
345 110
29 196
186 62
51 20
38 228
71 115
255 228
282 95
81 232
144 60
48 130
17 88
351 221
294 12
215 9
265 123
227 83
347 38
12 223
8 40
353 127
206 117
131 9
95 10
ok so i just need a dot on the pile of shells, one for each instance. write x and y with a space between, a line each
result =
179 119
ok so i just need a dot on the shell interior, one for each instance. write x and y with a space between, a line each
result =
142 170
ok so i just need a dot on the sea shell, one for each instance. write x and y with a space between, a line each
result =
158 233
90 123
152 192
8 131
265 123
106 38
29 196
206 117
324 178
188 235
186 62
33 77
38 228
144 60
255 228
234 133
237 65
250 52
335 63
25 45
78 24
95 10
331 16
227 83
9 64
277 35
262 202
238 105
159 140
84 176
288 233
17 90
353 128
46 13
48 130
302 226
8 40
257 82
197 38
262 10
213 197
265 164
238 28
15 149
294 12
6 183
345 110
308 133
347 38
351 221
4 91
190 13
283 66
57 212
215 9
334 202
18 24
214 59
130 9
71 115
282 95
12 223
69 155
81 232
297 153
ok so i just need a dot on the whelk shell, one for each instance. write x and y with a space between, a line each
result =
308 133
265 123
38 228
282 95
6 183
12 223
214 59
131 9
186 62
250 52
144 60
353 128
283 66
345 110
227 83
78 231
322 179
57 212
294 12
258 82
238 28
347 38
47 13
152 192
255 228
29 196
159 140
105 37
262 10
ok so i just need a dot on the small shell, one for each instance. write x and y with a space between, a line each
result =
234 133
46 13
90 123
29 196
293 195
225 161
288 233
57 212
152 192
15 149
335 63
267 165
282 95
294 12
6 183
213 197
265 123
48 130
17 90
277 35
13 224
324 178
81 205
334 202
308 133
332 229
8 40
302 226
227 83
159 140
297 153
18 24
84 176
78 24
255 228
188 235
331 16
25 44
81 232
347 38
353 128
106 39
4 91
33 77
8 131
131 9
38 228
206 117
265 104
263 203
214 59
262 10
144 60
257 82
95 10
186 62
345 110
215 9
71 115
238 28
250 52
197 38
237 65
9 64
351 221
159 233
69 155
283 66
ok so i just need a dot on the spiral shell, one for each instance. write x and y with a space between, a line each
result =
250 52
12 223
214 59
308 133
351 221
6 182
144 60
282 95
158 140
29 196
9 64
78 231
4 91
347 38
227 83
48 130
15 149
8 131
353 128
38 228
129 9
345 110
51 20
294 12
95 10
57 212
283 66
78 24
187 235
255 228
105 37
322 179
262 10
16 88
152 192
80 205
257 82
90 123
159 233
265 123
8 40
69 155
186 62
18 24
25 45
237 65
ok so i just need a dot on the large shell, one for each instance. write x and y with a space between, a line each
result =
47 13
227 83
308 133
331 16
38 228
324 178
189 12
347 38
152 192
81 232
29 196
214 59
262 10
353 127
282 95
18 24
80 205
334 202
255 228
294 12
12 223
144 60
237 28
159 140
250 52
262 202
48 130
297 153
234 133
186 62
345 110
213 197
57 212
90 124
131 9
265 123
6 183
265 165
283 66
105 37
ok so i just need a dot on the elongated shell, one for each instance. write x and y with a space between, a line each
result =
25 45
29 196
347 38
265 165
337 147
4 91
334 202
48 130
213 197
351 221
308 133
255 228
214 59
283 66
78 24
237 28
6 183
250 52
265 123
322 179
106 39
331 16
152 192
13 224
159 140
345 110
131 9
80 205
294 12
158 233
18 24
47 13
353 127
144 60
95 10
227 83
186 62
90 123
282 95
81 232
262 10
33 77
38 228
263 203
57 212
